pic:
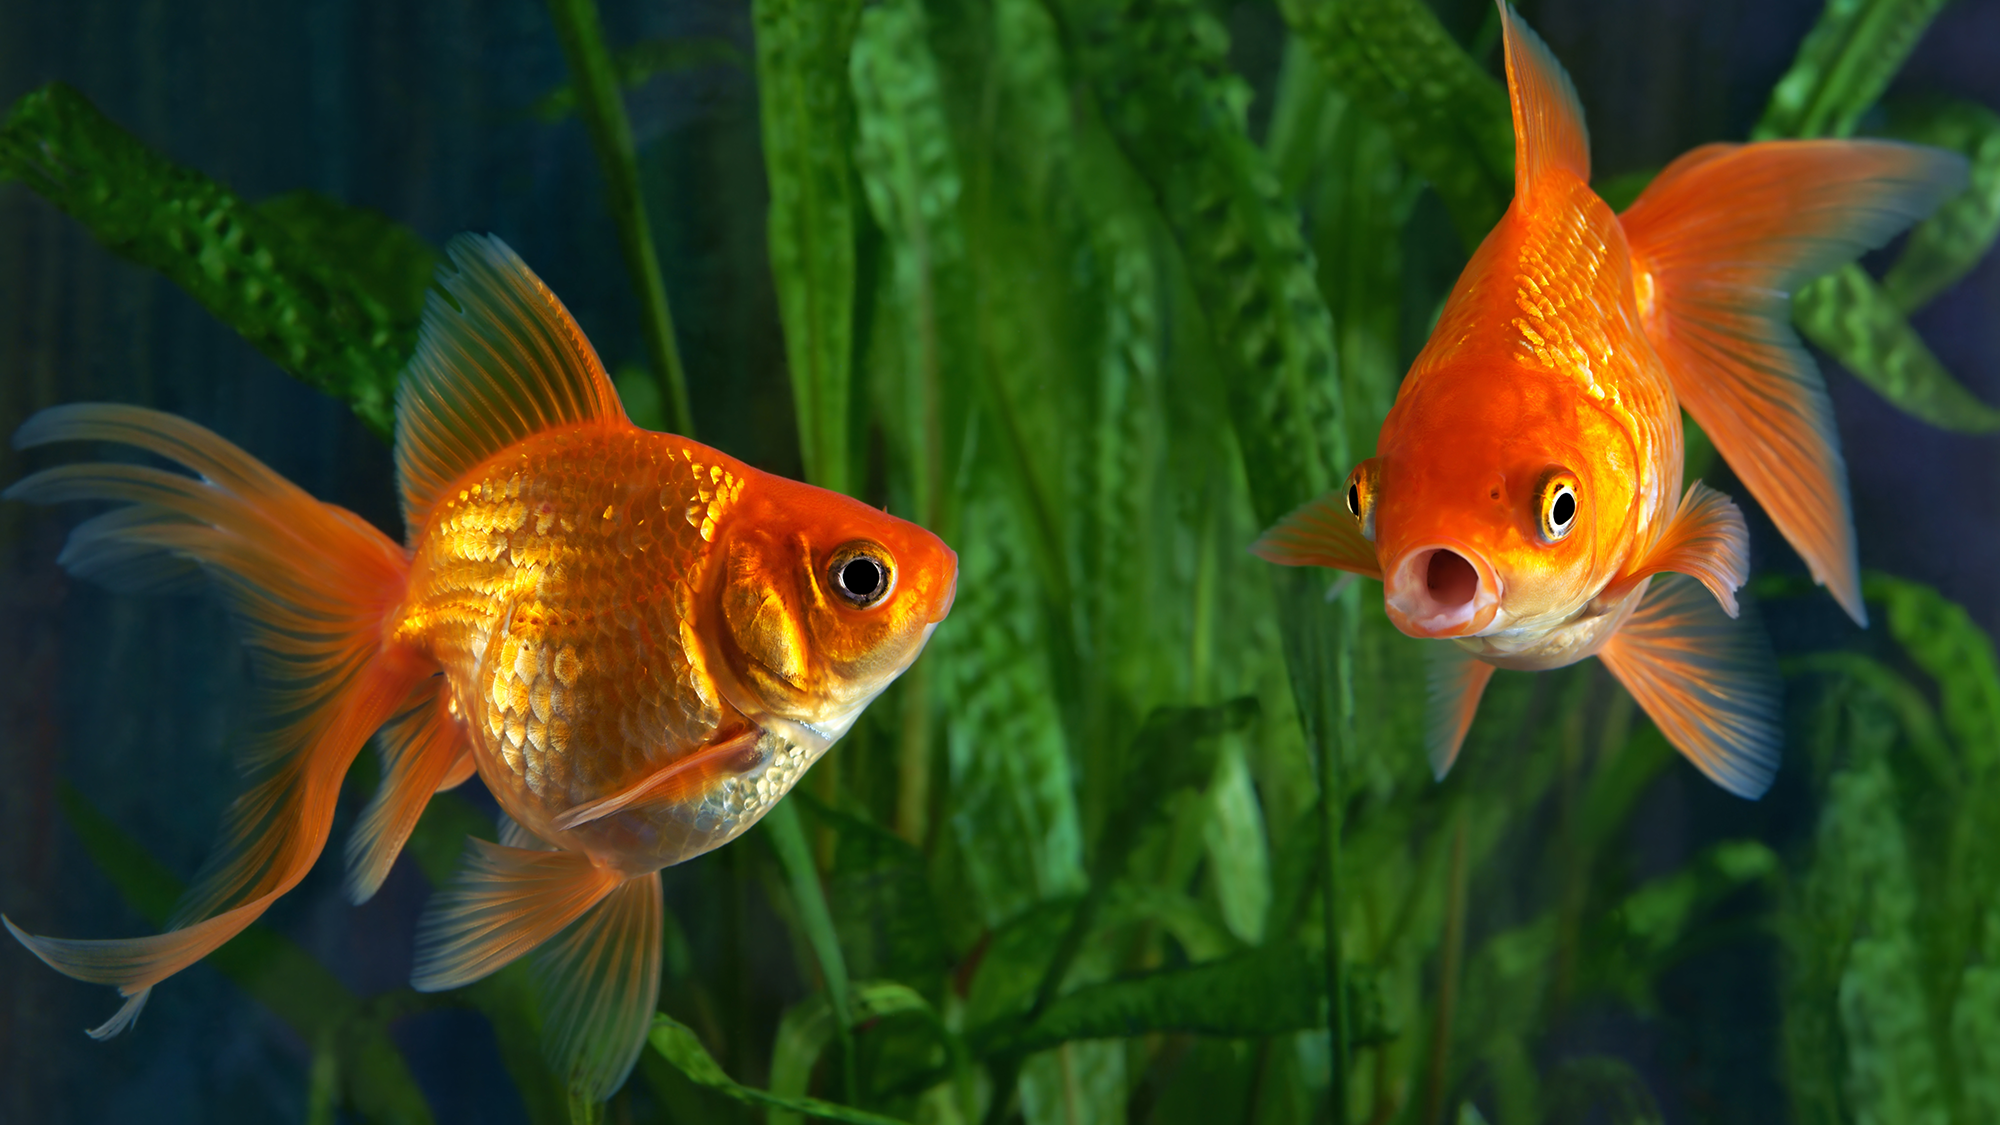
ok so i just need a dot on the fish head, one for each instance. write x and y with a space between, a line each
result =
1497 513
823 602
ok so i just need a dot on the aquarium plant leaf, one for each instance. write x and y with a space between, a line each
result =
1848 314
1944 247
676 1043
1843 66
807 1027
602 106
343 324
641 62
274 970
1944 641
388 266
1256 993
881 900
804 97
788 839
1448 117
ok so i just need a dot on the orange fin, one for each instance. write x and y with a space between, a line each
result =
420 748
1320 532
461 771
310 586
670 781
505 362
1706 540
1710 682
1719 242
503 903
1548 122
1456 680
597 986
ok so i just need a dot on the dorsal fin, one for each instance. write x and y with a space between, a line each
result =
499 360
1548 121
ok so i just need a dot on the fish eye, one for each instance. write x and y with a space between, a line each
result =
1361 499
861 574
1559 507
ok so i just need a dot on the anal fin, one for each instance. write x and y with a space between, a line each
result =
1708 681
1457 679
598 984
503 903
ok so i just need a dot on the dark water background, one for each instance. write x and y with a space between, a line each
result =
418 110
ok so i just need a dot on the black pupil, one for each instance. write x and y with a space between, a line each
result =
1563 510
1354 499
861 577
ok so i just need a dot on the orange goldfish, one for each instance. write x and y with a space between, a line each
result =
639 644
1526 489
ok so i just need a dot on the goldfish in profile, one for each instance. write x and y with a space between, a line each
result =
1525 498
639 643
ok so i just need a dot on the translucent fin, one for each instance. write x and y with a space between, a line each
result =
503 903
310 586
1548 121
1709 682
1320 532
598 984
420 747
1706 540
669 782
1719 242
461 771
512 835
504 364
1456 680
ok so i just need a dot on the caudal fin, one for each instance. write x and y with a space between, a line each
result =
1720 240
310 585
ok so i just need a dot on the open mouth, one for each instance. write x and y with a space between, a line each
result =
1440 591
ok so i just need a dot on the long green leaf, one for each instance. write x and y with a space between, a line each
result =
1944 247
280 975
1448 117
345 332
808 130
1848 313
641 62
1843 66
788 838
806 1028
602 105
676 1043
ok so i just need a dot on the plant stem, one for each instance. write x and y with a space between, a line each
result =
602 107
1454 953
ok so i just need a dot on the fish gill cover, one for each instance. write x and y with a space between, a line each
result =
1148 834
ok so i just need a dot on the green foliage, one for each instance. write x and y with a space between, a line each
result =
1146 805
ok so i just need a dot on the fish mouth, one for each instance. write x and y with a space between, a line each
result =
1442 590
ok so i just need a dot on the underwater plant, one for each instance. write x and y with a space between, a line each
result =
1148 832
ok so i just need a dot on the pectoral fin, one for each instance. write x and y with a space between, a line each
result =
1706 541
671 780
1321 532
1709 682
1457 680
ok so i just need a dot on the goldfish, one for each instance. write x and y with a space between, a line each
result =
637 642
1525 500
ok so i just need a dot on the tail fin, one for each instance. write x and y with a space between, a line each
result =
1719 242
310 585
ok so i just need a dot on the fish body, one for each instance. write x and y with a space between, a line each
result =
1525 503
638 642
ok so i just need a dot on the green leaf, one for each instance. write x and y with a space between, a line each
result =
807 1027
808 129
602 107
1448 117
344 323
881 901
1944 247
1843 66
1257 993
638 64
676 1043
1848 314
279 974
788 838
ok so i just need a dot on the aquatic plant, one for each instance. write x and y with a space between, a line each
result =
1149 832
